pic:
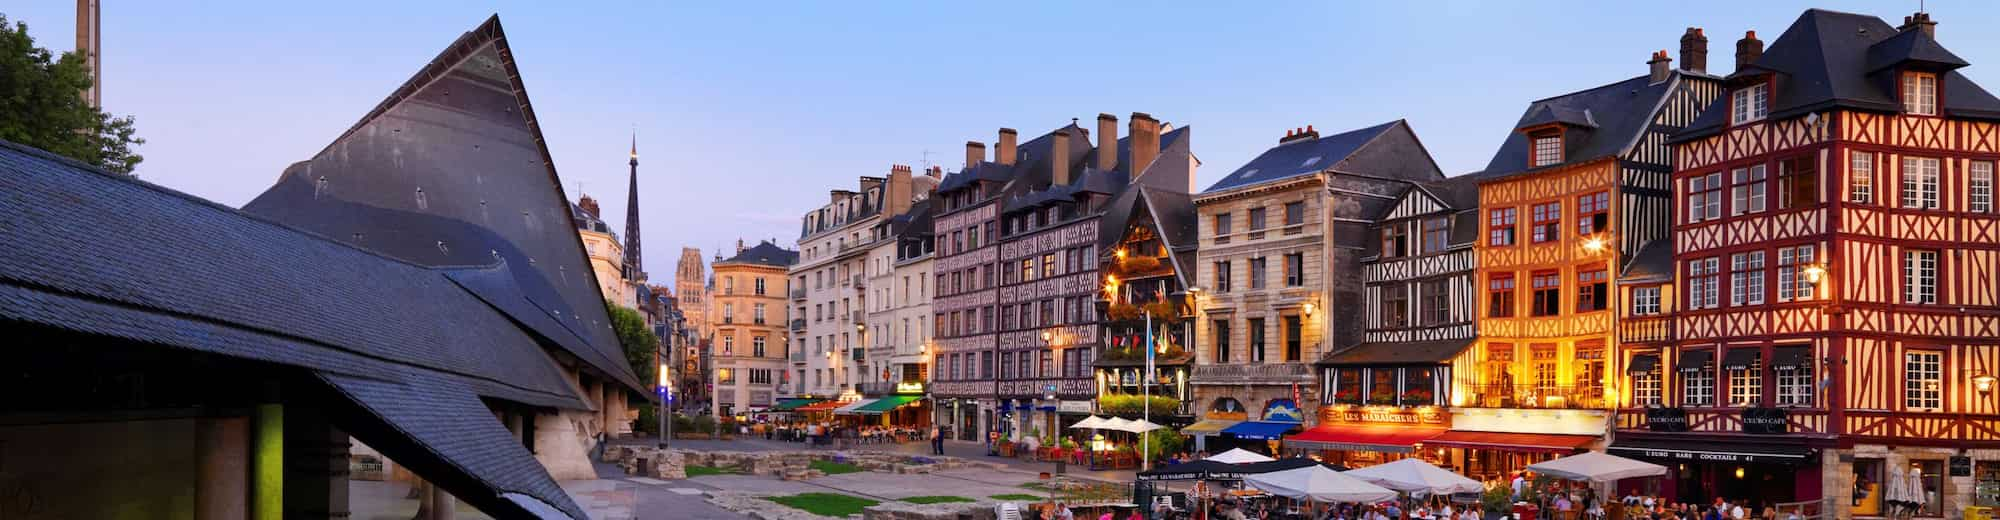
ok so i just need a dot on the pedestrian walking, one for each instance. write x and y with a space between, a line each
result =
937 440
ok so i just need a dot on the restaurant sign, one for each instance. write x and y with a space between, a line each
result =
1764 421
1283 410
1424 416
910 387
1667 419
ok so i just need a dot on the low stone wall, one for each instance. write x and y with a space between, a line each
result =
672 463
982 510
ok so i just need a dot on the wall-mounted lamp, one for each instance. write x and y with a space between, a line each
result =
1308 308
1983 382
860 327
1120 253
1593 244
1815 273
1046 336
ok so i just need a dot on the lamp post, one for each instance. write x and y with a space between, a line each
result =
666 389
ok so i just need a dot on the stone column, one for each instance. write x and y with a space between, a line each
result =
316 467
222 485
267 463
441 504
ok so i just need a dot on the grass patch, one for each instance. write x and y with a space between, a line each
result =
1037 486
825 504
936 499
703 471
834 468
1017 496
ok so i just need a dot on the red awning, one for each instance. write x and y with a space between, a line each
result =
1537 442
1374 437
821 406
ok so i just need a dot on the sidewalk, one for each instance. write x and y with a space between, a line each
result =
962 449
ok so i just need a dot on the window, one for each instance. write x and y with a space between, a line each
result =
1500 295
1795 380
1007 365
1045 366
729 345
1295 269
1646 387
1697 378
1919 276
1395 305
1222 230
1746 278
1547 223
1256 223
1748 104
1293 330
1793 281
1437 234
760 286
757 346
1222 273
1548 148
728 313
725 376
1027 270
1861 178
986 364
1920 182
1746 190
1704 200
1746 382
1920 93
757 313
1703 283
1500 227
1979 191
1645 301
1256 340
951 366
1798 181
1221 334
1048 265
1593 213
1548 294
1395 241
1433 302
1923 380
1257 273
1026 365
1542 361
1295 217
1593 290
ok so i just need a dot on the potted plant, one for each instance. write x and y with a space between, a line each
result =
1417 396
1382 399
1351 395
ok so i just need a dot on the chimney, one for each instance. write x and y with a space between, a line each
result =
739 246
1660 65
1920 21
936 172
1005 152
1145 142
1299 134
589 206
1059 159
975 153
896 193
1748 50
1694 50
1107 142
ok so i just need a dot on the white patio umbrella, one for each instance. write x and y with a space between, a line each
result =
1896 490
1597 467
1414 475
1116 423
1142 426
1315 482
1091 422
1917 496
1239 456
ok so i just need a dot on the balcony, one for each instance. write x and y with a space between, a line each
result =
858 354
858 317
799 325
798 356
1252 373
1645 329
860 282
1587 397
799 293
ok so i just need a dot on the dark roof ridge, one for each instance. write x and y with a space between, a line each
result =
1593 89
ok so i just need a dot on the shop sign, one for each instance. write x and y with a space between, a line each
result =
1073 406
1667 419
1703 456
1764 421
1961 466
910 387
1283 410
1425 416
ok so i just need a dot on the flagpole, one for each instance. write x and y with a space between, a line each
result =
1146 400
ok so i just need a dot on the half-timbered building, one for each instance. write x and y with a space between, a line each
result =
1149 240
1578 187
1836 254
1281 240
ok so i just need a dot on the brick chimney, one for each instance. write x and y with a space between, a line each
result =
1748 50
1059 158
935 172
1107 142
896 192
1005 153
1145 141
1299 134
1920 21
1694 50
1660 65
589 206
975 153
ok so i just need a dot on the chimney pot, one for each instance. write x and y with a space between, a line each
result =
975 153
1309 130
1006 153
1659 66
1920 21
1748 50
1107 142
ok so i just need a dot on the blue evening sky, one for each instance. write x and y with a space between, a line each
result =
748 112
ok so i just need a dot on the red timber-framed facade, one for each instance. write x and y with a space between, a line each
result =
1837 270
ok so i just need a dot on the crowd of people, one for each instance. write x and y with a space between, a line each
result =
839 436
1642 507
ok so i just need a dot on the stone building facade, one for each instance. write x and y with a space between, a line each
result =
751 312
830 283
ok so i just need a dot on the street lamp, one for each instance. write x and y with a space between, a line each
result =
1593 244
1983 382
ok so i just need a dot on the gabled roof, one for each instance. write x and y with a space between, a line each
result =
764 253
1171 215
915 221
1829 59
1300 157
1609 118
1397 353
1653 263
483 192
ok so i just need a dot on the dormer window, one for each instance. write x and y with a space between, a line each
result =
1920 93
1749 103
1548 148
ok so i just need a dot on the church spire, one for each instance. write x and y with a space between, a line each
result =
634 270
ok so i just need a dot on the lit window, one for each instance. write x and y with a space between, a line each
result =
1748 104
1919 276
1920 182
1923 380
1746 382
1861 178
1920 94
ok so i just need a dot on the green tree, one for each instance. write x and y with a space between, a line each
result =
637 339
41 105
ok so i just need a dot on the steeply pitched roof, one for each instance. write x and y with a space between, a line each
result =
1653 263
483 192
1608 120
1831 59
1300 157
764 253
1398 353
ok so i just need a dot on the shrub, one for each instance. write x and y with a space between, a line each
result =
1130 404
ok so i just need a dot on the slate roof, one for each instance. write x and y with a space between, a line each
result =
1617 114
1300 157
1829 59
1398 353
764 253
916 221
1653 263
173 270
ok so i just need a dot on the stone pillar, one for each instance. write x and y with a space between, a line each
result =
441 505
560 445
222 485
316 467
267 463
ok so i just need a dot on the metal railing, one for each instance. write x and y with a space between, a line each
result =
1253 372
799 293
799 325
857 317
1571 397
860 282
1646 328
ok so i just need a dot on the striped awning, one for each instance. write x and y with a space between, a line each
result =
850 408
883 405
792 403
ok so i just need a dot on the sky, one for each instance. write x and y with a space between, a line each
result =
747 114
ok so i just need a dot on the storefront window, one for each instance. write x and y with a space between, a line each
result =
1419 386
1986 484
1382 386
1866 498
1932 476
